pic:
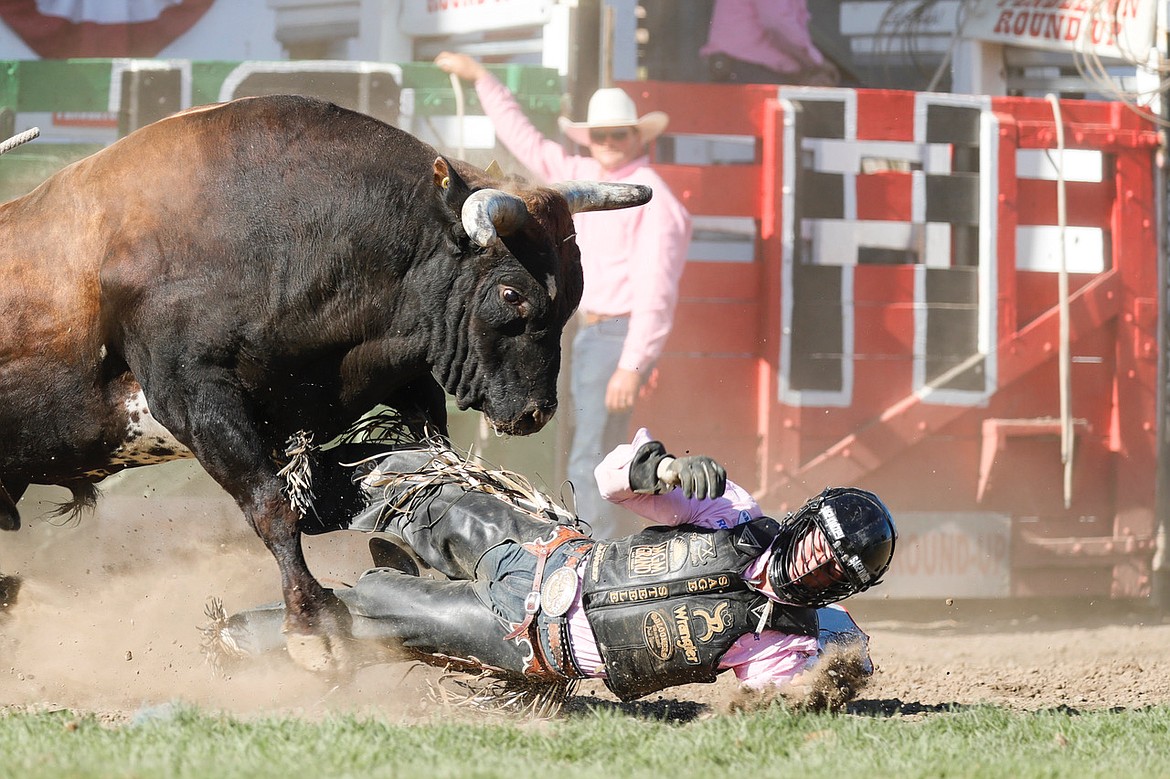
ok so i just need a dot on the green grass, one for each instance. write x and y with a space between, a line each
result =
977 741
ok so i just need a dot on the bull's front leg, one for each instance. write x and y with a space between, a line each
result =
317 624
209 414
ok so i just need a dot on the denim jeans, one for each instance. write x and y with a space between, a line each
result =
504 577
596 351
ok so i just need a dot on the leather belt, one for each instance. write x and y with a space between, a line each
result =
554 648
541 549
591 318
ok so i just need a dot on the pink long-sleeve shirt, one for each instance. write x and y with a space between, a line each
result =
757 659
632 258
772 33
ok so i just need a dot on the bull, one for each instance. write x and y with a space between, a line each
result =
225 278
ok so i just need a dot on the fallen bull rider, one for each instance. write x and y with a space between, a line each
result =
527 597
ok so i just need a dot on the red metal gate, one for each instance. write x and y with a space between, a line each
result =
898 326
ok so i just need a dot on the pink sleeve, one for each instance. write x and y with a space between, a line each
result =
657 261
544 157
769 658
672 508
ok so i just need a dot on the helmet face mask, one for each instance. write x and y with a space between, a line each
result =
838 544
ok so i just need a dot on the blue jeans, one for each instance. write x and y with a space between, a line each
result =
596 351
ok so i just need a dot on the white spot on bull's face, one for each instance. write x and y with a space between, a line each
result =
145 441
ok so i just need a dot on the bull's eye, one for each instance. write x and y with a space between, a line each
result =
511 296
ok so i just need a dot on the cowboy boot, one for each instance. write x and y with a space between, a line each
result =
396 616
433 621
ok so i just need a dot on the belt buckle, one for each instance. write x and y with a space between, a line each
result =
558 591
532 602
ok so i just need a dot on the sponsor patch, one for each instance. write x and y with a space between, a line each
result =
677 553
637 594
656 632
702 548
686 639
829 514
708 583
648 560
596 558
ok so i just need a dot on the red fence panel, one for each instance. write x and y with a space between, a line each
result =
898 325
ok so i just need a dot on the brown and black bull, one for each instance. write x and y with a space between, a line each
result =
214 283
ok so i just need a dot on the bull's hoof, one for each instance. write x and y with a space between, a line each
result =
330 656
9 516
9 588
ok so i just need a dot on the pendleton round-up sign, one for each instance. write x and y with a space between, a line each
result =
1109 28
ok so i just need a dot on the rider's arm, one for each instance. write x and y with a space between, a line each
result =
671 508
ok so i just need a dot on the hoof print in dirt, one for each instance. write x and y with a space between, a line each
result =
319 654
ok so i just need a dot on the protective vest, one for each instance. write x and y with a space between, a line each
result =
666 603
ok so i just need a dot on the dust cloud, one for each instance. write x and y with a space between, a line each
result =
108 620
109 610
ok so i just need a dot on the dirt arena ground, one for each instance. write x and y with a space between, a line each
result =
107 621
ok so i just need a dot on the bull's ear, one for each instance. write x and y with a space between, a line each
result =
454 188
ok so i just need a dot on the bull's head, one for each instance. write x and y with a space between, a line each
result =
527 283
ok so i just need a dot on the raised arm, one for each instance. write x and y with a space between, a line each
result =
544 157
673 507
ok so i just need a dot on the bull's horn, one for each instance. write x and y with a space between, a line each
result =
602 195
488 213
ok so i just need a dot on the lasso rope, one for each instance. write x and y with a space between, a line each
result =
19 138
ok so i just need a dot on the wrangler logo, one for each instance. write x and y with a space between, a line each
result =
648 560
685 641
715 623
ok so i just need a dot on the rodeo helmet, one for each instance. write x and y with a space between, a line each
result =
838 544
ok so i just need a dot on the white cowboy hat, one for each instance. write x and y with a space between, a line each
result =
612 107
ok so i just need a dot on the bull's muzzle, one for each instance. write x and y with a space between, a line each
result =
534 417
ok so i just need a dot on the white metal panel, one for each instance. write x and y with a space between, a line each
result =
1079 164
1038 248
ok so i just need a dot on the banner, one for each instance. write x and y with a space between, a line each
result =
1108 28
64 29
453 17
